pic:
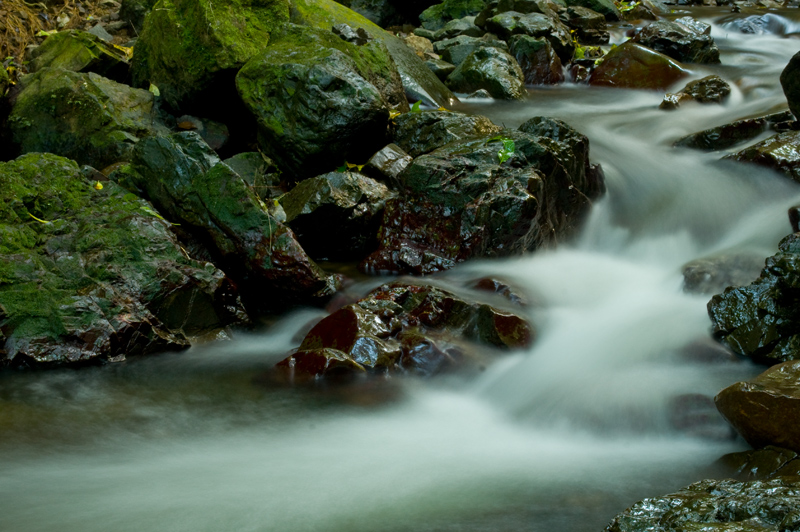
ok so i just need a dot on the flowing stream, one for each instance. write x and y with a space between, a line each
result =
562 437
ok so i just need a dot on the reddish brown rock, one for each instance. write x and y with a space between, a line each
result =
632 66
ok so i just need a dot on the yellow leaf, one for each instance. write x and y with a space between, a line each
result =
98 185
394 114
38 219
154 90
46 33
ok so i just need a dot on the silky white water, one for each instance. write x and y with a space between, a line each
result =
558 438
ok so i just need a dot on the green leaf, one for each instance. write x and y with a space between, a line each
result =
415 108
154 90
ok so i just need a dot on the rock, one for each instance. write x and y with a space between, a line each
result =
764 409
192 49
759 320
607 8
710 89
780 152
99 31
419 133
495 7
134 12
457 49
442 69
418 81
83 116
462 26
329 105
492 70
259 173
91 273
80 51
336 216
535 25
357 36
632 66
422 32
381 12
760 464
728 135
387 163
187 182
420 45
790 82
686 40
462 201
539 63
215 134
769 23
642 10
435 17
407 327
713 275
730 505
590 26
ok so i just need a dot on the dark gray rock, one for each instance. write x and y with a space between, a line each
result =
462 26
686 40
258 172
492 70
590 26
442 69
607 8
790 82
511 23
387 163
435 17
713 275
419 133
780 152
459 48
728 135
539 63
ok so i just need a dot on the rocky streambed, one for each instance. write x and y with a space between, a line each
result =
542 355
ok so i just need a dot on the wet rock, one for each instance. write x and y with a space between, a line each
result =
435 17
419 133
90 273
495 7
492 70
459 48
99 31
134 12
501 288
633 66
790 82
387 163
330 104
607 8
535 25
462 26
686 40
760 464
780 152
710 89
764 409
80 51
728 135
187 182
420 45
539 63
258 172
407 327
641 11
590 26
729 505
760 320
463 201
769 23
357 36
713 275
83 116
336 216
214 133
442 69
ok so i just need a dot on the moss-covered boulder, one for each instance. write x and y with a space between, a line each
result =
336 215
90 272
632 66
535 25
409 328
418 81
685 39
83 116
187 182
780 152
435 17
320 100
490 196
539 63
419 133
80 51
492 70
192 49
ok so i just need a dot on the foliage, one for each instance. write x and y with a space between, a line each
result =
507 150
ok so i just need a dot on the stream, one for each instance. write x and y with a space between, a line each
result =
561 437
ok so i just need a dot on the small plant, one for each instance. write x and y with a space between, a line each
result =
507 150
624 7
415 108
346 167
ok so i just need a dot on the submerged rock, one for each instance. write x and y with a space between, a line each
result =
419 133
82 116
187 182
407 327
765 409
632 66
491 70
80 51
686 40
780 152
90 273
714 274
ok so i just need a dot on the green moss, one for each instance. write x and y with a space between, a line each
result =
435 17
80 51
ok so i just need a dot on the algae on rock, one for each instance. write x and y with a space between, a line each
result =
80 51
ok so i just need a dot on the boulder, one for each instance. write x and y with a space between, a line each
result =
730 505
710 89
780 152
187 182
80 51
422 46
632 66
461 26
442 69
436 16
590 26
407 327
685 39
495 7
387 163
336 216
790 82
607 8
83 116
728 135
259 173
539 63
91 273
329 104
487 196
492 70
535 25
760 464
419 133
457 49
764 410
712 275
760 320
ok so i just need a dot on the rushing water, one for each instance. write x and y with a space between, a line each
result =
558 438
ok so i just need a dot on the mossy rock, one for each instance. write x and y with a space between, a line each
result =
435 17
82 116
91 273
607 8
192 49
492 70
80 51
320 100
